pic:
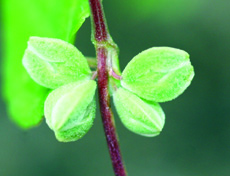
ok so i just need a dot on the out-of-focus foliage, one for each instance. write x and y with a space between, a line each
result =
167 10
22 19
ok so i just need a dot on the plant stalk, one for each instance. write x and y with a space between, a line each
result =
104 46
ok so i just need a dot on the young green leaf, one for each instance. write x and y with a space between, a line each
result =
158 74
53 62
70 110
22 19
139 116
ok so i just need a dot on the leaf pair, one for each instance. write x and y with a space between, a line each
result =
158 74
70 108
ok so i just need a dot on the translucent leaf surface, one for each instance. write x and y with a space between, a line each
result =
22 19
159 74
139 116
70 110
54 62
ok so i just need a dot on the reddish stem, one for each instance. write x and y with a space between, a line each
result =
103 43
99 24
107 116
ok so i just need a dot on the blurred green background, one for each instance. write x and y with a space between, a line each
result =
195 139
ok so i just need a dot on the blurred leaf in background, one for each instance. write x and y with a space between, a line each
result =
167 10
22 19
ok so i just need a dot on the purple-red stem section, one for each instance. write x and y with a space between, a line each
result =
107 116
100 31
101 37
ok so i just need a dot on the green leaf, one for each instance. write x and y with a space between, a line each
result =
54 62
22 19
70 110
139 116
158 74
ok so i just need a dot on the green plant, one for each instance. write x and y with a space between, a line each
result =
158 74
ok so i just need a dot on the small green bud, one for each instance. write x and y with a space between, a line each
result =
139 116
158 74
70 110
54 62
